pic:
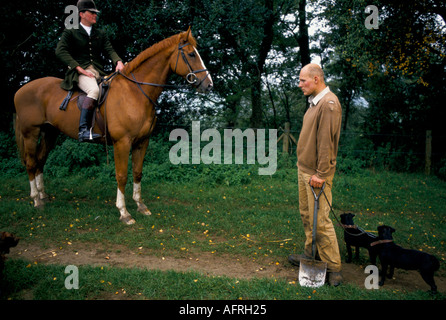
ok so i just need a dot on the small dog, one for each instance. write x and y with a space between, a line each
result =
393 256
356 237
7 241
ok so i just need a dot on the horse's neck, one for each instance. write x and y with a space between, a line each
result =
156 70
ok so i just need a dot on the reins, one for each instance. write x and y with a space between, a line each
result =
191 78
149 83
345 227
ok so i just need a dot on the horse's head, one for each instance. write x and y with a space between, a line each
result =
188 64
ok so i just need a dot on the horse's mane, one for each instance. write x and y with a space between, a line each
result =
156 48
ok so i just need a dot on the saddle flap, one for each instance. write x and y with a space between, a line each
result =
103 92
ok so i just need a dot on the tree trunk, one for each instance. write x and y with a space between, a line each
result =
265 47
303 40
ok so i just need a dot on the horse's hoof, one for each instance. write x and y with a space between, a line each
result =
145 211
127 220
44 197
142 208
39 204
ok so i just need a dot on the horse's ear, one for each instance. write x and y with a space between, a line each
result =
186 38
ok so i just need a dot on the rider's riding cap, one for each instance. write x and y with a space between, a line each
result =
86 5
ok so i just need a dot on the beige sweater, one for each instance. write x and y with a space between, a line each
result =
317 147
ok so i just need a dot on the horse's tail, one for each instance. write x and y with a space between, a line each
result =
19 139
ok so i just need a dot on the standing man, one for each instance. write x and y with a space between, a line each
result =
80 49
317 149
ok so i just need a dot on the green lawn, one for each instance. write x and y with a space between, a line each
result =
258 219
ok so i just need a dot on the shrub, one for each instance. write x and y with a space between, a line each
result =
441 172
72 156
10 164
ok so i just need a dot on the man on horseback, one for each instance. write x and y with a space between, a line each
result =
80 49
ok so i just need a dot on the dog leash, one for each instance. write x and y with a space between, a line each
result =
345 229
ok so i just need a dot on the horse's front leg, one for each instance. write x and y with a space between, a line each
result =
138 153
121 154
40 187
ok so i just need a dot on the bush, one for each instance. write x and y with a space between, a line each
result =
10 164
441 172
71 157
350 165
212 174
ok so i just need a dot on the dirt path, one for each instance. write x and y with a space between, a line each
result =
206 263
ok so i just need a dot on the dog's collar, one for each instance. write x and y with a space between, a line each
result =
380 242
350 226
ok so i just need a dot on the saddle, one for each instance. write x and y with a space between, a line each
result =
103 92
104 86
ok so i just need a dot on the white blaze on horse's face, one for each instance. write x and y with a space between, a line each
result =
206 84
188 64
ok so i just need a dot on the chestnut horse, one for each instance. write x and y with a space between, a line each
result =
129 113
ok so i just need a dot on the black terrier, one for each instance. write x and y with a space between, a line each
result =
7 240
393 256
356 237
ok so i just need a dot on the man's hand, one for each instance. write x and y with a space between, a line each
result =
84 72
316 182
119 66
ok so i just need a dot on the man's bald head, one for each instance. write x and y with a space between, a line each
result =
314 70
311 79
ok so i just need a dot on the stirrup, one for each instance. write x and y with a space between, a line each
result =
88 135
94 136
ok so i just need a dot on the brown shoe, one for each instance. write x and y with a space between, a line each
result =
334 279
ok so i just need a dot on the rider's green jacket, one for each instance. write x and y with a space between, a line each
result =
77 48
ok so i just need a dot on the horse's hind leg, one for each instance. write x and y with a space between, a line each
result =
48 137
30 146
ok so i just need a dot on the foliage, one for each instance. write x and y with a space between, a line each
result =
390 80
397 69
9 157
71 157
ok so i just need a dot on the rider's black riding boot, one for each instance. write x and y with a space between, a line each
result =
87 112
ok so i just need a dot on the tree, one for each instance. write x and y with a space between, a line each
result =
390 66
247 34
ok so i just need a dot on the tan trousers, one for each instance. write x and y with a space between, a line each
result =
326 241
90 85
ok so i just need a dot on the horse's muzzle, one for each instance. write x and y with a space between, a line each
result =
205 85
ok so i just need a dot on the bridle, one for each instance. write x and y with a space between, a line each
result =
191 77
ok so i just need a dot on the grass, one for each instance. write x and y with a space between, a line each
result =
46 282
257 220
